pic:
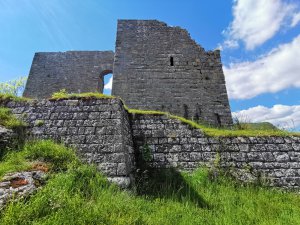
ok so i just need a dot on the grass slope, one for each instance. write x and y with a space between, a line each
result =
77 194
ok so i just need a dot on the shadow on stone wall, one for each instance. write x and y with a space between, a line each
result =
168 184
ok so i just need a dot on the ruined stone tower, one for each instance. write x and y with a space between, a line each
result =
155 67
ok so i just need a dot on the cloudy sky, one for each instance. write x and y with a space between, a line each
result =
259 39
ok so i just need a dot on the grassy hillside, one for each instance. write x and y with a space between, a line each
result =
77 194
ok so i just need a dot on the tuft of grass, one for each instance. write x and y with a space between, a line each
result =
8 120
146 112
11 97
58 157
260 126
63 94
13 162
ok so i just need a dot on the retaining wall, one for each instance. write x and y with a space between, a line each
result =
97 128
105 134
174 144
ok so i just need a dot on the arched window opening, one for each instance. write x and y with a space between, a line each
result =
105 82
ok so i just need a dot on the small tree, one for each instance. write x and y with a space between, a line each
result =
13 87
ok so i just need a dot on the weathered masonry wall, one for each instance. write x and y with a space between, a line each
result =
174 144
159 67
155 67
7 139
75 71
98 129
104 134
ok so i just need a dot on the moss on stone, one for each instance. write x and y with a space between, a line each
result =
63 94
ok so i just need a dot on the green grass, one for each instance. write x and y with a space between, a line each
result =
63 94
11 97
145 112
252 130
8 120
223 132
81 195
56 157
257 126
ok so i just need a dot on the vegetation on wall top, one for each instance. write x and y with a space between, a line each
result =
63 94
247 130
235 131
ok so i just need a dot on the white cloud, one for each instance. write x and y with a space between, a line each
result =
283 116
270 73
256 21
108 86
229 44
295 20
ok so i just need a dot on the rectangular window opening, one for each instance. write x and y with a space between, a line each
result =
171 61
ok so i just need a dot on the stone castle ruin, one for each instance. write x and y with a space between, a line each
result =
155 67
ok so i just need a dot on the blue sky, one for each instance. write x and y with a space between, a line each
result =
259 39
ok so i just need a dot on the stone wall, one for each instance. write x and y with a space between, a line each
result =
75 71
98 129
7 139
159 67
105 134
174 144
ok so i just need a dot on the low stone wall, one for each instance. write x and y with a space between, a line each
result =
106 135
174 144
98 128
